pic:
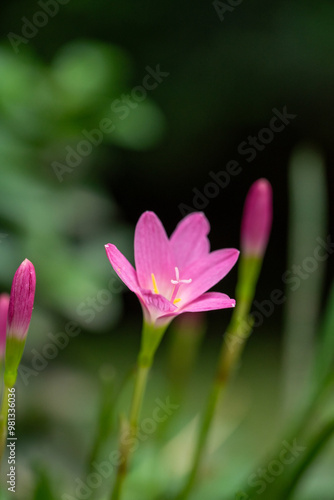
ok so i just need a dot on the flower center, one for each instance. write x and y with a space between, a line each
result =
177 283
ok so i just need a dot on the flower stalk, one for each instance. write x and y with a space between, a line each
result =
231 350
255 231
151 338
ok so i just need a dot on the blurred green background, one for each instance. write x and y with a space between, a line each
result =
69 70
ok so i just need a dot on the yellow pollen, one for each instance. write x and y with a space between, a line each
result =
175 301
155 288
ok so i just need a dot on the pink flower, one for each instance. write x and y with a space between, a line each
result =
257 219
4 302
21 301
173 275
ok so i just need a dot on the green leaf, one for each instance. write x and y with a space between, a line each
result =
325 354
312 452
305 272
43 490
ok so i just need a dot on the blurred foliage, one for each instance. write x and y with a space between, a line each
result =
62 222
63 228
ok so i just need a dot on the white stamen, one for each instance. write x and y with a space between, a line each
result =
177 281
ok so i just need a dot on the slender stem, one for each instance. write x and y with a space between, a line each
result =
227 361
131 430
235 338
138 394
151 338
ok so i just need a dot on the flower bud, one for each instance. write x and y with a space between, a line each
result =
19 315
257 219
21 301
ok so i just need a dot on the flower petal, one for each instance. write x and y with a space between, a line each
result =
153 254
122 267
210 301
189 241
206 272
156 303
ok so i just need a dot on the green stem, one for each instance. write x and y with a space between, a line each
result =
234 341
151 338
138 395
229 355
233 344
131 431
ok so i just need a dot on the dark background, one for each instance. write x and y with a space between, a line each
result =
225 79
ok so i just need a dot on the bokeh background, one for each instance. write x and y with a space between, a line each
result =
68 69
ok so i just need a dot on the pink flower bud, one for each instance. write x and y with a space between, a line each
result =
257 219
21 301
4 302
